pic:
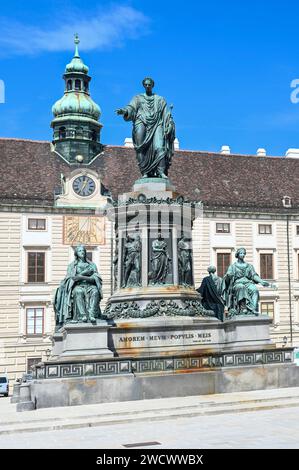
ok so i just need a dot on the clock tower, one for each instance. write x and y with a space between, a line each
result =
76 126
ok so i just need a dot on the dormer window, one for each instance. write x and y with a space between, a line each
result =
77 85
287 201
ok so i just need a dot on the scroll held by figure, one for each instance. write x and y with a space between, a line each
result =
153 131
160 261
78 297
240 290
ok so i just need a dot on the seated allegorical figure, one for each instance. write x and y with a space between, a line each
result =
239 288
77 299
210 291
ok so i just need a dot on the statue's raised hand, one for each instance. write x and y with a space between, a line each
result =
120 111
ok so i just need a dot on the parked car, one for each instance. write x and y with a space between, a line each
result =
4 385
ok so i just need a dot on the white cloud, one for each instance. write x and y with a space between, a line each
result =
101 30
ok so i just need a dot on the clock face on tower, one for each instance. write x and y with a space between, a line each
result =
84 185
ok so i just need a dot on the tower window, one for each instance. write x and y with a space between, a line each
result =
94 136
85 86
77 84
62 133
69 85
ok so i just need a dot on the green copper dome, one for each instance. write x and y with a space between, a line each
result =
76 103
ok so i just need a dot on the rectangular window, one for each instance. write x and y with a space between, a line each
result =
222 228
31 361
266 263
36 267
34 321
265 229
36 224
223 262
267 308
297 229
89 255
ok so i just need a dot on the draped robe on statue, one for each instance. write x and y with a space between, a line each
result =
75 299
240 288
153 132
210 291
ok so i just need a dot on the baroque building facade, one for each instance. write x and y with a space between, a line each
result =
54 194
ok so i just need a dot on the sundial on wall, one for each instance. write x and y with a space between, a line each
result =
86 230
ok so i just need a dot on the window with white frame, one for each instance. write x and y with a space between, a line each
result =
36 224
267 266
265 229
36 266
222 227
267 308
34 321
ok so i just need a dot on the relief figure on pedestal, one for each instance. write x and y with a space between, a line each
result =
160 260
185 262
77 299
115 262
240 287
210 291
132 261
153 131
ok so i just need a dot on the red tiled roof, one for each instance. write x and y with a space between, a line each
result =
30 171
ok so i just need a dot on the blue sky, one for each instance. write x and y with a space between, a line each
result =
226 66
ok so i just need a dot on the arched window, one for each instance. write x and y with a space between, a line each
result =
86 86
77 84
62 133
69 85
80 131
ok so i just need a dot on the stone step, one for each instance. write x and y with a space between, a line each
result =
157 410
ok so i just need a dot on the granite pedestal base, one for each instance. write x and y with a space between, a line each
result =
185 335
75 340
160 357
181 377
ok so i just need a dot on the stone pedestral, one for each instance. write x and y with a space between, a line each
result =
25 402
184 335
152 209
81 340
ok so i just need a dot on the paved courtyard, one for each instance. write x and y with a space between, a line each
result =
271 428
